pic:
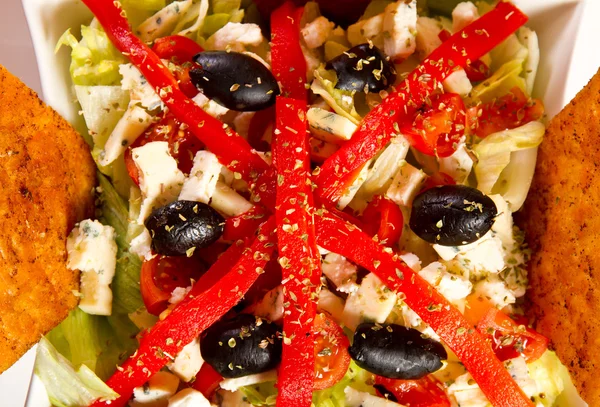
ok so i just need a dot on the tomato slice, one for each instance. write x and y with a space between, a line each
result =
383 218
162 274
507 112
183 145
331 352
425 392
438 127
207 381
510 339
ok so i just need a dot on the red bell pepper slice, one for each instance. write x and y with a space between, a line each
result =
381 123
191 317
298 254
477 70
384 219
425 392
177 47
287 60
433 308
244 225
207 381
231 149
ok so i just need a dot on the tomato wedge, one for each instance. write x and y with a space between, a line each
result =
161 275
207 381
437 128
510 339
331 352
384 219
425 392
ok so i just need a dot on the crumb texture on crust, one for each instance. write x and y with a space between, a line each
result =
46 181
561 219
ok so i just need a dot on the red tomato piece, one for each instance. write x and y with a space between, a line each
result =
182 144
384 219
438 127
161 275
425 392
438 179
510 339
258 126
331 352
179 50
507 112
207 381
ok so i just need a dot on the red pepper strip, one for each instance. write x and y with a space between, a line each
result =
384 219
477 70
381 123
233 151
207 381
189 319
179 47
245 224
452 327
287 60
298 254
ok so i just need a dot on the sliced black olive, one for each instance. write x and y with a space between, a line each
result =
396 352
234 80
363 67
181 226
241 346
452 215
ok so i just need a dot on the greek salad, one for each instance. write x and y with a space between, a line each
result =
296 211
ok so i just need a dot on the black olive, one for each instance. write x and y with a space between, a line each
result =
240 346
396 352
364 66
181 226
452 215
234 80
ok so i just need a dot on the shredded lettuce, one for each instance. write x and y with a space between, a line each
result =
509 50
262 394
65 385
225 6
355 377
94 59
499 84
549 375
530 40
494 152
339 100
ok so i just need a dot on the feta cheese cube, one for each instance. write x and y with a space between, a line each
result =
210 106
139 88
160 179
142 245
454 288
339 270
367 30
316 32
331 304
458 165
235 383
406 184
229 202
427 39
188 361
372 302
484 255
464 14
235 37
202 182
458 82
399 27
156 392
189 398
163 22
411 261
329 126
495 291
92 249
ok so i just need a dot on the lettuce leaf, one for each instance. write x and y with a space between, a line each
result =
499 84
225 6
262 394
355 377
494 152
149 5
530 40
339 100
94 59
65 385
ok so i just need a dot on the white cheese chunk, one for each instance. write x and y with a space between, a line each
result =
495 291
139 88
156 392
458 165
92 250
330 127
316 32
331 304
339 270
399 27
202 182
236 383
458 82
241 123
210 106
142 245
355 398
406 184
427 39
135 121
411 260
454 288
484 255
163 22
189 398
372 302
178 294
235 37
367 30
160 179
464 14
229 202
188 361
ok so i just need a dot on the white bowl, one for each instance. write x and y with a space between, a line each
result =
567 31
